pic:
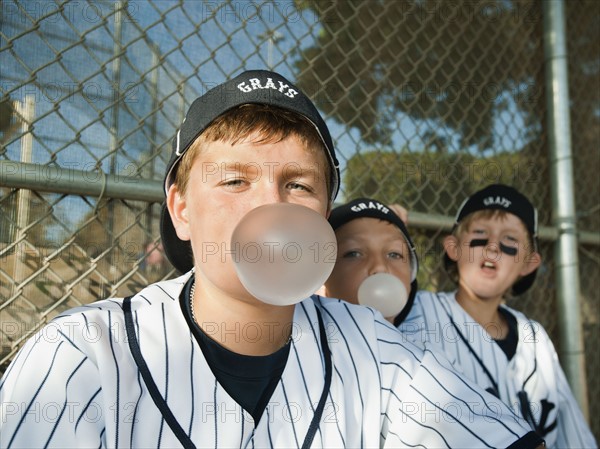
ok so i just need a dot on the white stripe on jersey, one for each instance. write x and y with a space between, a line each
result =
75 384
430 322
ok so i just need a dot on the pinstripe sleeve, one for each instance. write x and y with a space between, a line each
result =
50 395
428 404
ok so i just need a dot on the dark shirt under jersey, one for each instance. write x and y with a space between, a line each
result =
249 380
509 344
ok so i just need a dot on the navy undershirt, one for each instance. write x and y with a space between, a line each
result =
509 344
249 380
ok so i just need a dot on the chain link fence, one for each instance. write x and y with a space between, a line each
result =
583 46
427 101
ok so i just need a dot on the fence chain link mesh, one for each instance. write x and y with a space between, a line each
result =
583 47
427 101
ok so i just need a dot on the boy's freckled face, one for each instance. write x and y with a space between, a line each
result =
367 246
486 270
227 181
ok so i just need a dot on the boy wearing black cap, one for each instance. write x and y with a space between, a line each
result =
198 361
371 239
492 252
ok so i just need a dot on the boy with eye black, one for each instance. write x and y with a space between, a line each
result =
492 252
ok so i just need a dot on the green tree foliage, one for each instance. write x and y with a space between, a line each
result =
583 46
431 181
446 61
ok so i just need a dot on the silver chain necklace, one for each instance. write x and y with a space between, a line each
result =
192 301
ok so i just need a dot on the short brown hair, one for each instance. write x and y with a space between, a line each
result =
273 124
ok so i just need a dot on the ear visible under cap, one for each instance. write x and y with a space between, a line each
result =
177 206
532 263
451 247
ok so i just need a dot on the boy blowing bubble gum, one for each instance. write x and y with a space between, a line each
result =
372 239
492 252
175 365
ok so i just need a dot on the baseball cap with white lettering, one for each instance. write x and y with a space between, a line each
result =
509 199
250 87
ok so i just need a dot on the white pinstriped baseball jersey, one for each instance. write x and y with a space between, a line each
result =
75 385
534 368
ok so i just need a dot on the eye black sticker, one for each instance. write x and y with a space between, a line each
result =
508 250
478 242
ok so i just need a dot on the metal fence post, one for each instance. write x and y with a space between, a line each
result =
26 112
563 200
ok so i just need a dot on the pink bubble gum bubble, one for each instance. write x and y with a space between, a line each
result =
384 292
283 252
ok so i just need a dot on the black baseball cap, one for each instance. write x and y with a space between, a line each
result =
508 199
250 87
371 208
